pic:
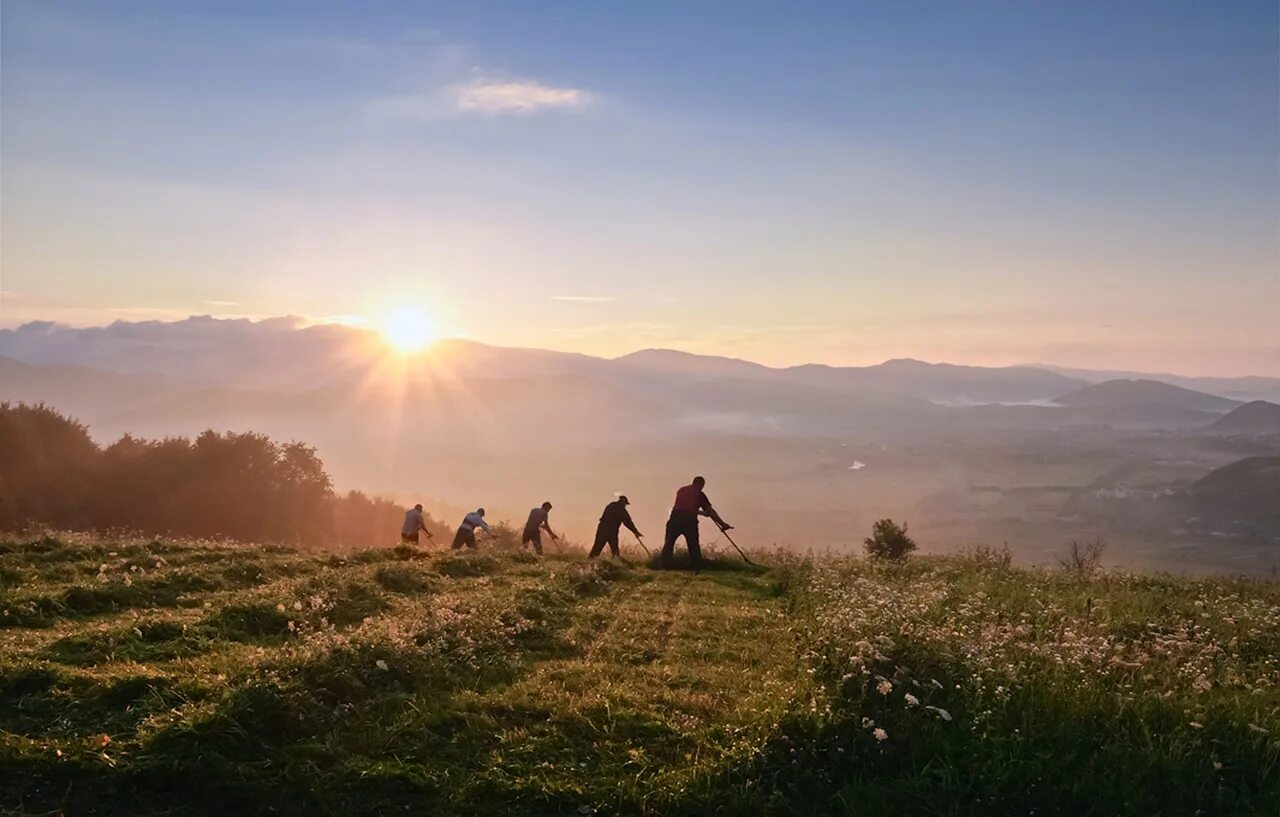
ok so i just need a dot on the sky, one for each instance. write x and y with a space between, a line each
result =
1079 183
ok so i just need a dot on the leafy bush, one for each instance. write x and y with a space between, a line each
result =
889 540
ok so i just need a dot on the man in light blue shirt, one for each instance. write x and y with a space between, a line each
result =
467 530
413 522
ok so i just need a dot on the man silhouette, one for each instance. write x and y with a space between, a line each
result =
614 517
534 527
690 503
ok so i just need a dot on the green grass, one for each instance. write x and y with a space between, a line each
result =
158 677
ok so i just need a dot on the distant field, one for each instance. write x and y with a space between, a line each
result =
174 677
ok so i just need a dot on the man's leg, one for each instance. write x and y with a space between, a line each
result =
471 539
598 545
613 544
695 547
669 541
458 539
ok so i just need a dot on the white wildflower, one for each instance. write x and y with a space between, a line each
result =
382 665
911 700
881 735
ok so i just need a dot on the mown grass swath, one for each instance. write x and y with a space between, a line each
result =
170 676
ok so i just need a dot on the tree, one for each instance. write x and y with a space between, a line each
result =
888 540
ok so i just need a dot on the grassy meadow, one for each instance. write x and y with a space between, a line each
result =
184 677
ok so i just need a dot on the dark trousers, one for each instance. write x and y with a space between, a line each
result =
465 536
534 536
605 535
682 523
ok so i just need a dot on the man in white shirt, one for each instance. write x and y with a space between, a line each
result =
413 522
467 530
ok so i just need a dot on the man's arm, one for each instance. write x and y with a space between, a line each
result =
710 512
546 525
631 526
422 524
485 525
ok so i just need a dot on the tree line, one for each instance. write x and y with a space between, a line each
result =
242 486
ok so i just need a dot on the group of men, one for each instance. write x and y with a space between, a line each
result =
690 503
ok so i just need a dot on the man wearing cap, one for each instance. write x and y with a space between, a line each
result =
467 530
614 517
690 503
413 522
534 527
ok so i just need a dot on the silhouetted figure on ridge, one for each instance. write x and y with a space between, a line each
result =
690 503
537 523
466 534
614 517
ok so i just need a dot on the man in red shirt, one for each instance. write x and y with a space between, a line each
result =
690 503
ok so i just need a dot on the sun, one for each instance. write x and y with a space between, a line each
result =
408 329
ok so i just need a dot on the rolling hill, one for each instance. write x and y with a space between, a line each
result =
1128 393
1257 417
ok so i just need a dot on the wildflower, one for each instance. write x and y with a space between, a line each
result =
382 665
280 608
297 605
911 700
884 687
880 734
867 723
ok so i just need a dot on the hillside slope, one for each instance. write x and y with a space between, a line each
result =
1128 393
1257 417
163 677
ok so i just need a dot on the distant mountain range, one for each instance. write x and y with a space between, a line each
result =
281 374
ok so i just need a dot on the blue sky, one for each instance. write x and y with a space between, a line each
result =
1090 184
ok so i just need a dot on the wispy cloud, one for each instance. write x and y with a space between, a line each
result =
589 299
222 303
517 96
344 320
483 95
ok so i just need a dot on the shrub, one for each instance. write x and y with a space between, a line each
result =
997 558
1083 560
888 540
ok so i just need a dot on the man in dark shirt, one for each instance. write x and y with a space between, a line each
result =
537 523
690 503
614 517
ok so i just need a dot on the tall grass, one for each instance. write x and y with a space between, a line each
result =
167 677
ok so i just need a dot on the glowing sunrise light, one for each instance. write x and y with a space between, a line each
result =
408 329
